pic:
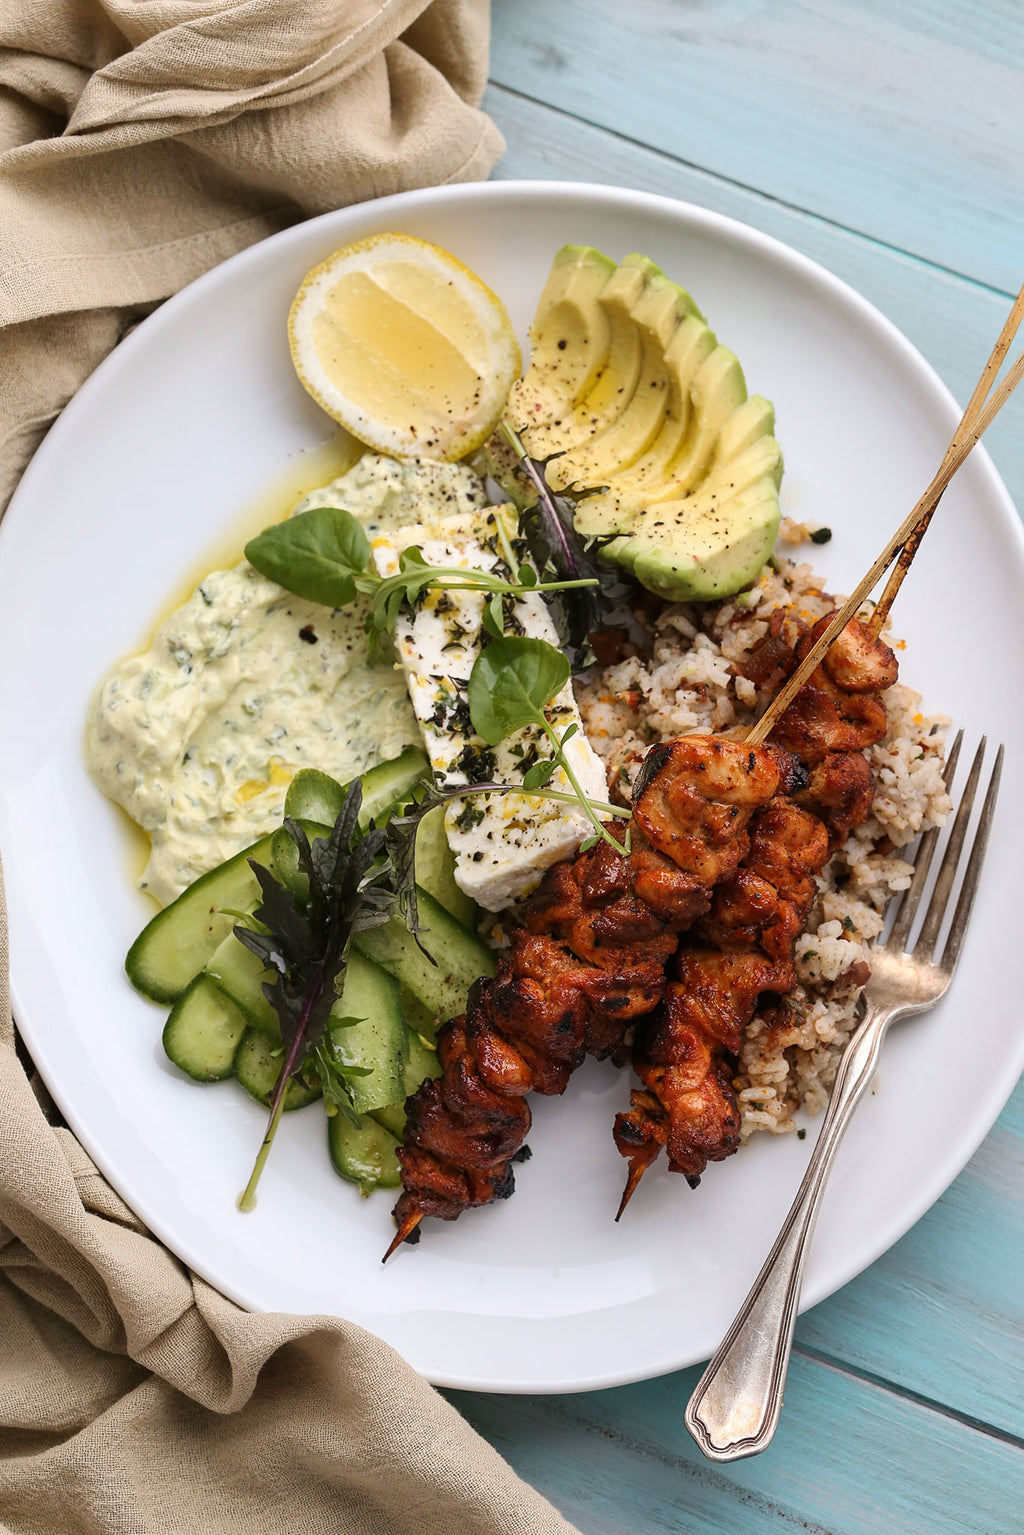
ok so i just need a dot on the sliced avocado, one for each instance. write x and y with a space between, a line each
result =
657 313
716 555
606 400
569 338
686 351
749 423
674 469
718 389
712 542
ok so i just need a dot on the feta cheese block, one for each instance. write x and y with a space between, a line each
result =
502 842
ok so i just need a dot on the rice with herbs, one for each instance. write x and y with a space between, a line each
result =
689 679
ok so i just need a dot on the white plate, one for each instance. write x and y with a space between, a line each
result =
178 430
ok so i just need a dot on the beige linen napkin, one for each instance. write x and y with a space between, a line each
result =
141 142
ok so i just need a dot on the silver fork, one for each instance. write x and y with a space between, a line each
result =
735 1408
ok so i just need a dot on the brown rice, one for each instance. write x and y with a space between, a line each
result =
687 680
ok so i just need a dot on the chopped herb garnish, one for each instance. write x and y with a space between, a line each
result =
355 880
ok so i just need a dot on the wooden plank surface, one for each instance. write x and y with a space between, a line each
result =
850 1458
896 120
885 142
953 322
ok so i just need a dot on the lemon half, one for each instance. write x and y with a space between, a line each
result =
405 346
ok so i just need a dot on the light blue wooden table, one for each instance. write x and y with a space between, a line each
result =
886 140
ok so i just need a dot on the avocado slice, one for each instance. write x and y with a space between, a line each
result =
632 486
569 340
711 541
719 550
612 390
657 313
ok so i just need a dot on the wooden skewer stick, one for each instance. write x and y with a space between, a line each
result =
958 450
408 1225
636 1172
981 390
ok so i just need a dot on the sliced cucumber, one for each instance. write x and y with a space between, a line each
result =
422 1063
381 1042
366 1155
203 1031
284 857
435 869
314 796
257 1065
419 1018
176 944
237 972
461 957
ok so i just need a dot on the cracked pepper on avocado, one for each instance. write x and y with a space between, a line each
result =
720 945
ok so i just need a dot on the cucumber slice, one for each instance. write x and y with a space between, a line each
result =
419 1018
365 1155
203 1031
381 1042
422 1063
257 1065
284 857
461 957
315 796
435 869
237 972
176 944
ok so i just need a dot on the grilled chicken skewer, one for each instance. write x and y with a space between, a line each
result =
685 1052
590 958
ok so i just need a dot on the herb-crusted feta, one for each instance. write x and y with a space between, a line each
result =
502 842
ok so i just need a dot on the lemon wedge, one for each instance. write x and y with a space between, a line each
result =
405 346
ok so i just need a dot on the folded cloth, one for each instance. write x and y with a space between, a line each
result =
134 1397
143 141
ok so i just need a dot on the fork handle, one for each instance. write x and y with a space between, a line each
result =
735 1408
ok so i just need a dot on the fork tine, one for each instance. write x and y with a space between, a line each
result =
951 952
922 863
947 869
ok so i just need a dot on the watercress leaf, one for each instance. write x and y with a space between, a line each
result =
412 558
527 576
540 774
316 554
493 618
511 681
388 605
573 730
